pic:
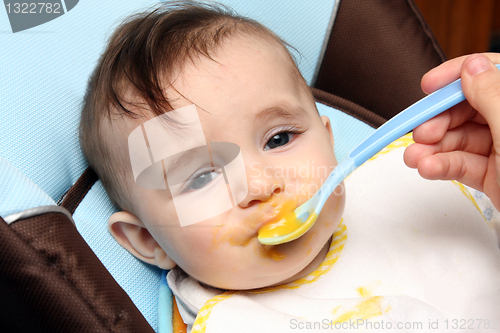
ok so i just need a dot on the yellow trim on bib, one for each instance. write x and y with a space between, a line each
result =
403 141
469 196
336 247
200 324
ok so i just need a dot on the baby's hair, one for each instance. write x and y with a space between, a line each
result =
138 64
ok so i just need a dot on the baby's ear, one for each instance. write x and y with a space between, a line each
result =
131 233
326 122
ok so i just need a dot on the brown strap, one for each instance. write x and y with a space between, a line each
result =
348 107
377 54
51 281
79 190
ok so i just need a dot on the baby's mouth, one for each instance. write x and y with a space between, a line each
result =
268 213
246 230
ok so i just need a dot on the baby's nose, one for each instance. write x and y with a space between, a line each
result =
263 182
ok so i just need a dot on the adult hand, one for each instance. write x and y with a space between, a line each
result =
463 143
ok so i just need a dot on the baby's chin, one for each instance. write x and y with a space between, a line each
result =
255 265
252 282
306 242
311 266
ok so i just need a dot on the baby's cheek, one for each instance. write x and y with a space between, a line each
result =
186 243
230 235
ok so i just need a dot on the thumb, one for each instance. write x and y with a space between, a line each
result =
481 87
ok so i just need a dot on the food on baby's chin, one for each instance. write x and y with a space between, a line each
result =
234 236
270 251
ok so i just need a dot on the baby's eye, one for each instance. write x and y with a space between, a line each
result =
202 180
278 140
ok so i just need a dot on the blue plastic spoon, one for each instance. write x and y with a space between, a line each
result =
288 229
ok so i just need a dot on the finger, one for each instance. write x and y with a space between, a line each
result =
442 75
470 137
434 129
467 168
491 184
448 72
481 87
415 153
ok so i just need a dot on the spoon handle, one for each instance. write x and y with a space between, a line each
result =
408 119
416 114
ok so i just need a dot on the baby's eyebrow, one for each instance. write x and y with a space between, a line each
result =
280 112
178 167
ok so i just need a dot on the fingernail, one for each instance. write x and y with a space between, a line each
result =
477 66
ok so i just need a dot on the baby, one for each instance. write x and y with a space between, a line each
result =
186 91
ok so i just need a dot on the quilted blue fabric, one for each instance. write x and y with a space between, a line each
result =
18 192
302 24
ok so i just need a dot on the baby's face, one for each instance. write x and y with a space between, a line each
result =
249 95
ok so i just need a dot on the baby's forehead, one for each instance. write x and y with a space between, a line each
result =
178 95
240 41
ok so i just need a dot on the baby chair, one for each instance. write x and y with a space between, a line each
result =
61 271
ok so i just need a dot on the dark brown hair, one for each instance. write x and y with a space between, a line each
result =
140 58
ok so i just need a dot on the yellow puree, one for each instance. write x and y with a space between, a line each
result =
369 307
284 223
280 212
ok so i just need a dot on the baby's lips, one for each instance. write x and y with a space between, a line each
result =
267 222
287 210
274 210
